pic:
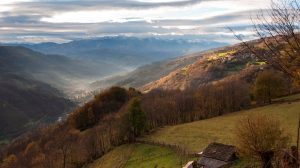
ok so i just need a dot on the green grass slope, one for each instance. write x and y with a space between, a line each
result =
139 156
194 137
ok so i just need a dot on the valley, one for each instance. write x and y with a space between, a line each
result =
122 61
74 72
149 84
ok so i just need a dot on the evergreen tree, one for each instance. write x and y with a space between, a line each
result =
137 118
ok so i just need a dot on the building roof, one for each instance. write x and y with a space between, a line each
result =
221 152
212 163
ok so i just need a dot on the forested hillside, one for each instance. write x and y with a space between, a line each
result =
26 103
118 116
26 98
222 64
148 73
59 71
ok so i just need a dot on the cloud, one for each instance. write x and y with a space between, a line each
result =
75 5
59 21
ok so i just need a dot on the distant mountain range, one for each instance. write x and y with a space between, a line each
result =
125 51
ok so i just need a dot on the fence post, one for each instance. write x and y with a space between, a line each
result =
298 133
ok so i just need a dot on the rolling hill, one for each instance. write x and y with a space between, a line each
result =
216 65
189 71
194 137
147 73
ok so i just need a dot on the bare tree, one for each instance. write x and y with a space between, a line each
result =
278 32
261 137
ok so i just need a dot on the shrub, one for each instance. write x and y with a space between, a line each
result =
260 137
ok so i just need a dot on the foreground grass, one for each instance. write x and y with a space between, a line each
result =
139 156
197 135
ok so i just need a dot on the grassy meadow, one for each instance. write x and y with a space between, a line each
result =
197 135
139 156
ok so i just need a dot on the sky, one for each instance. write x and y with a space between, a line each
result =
64 20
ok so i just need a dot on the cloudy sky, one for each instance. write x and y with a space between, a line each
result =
64 20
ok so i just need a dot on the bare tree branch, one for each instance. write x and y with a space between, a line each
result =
278 31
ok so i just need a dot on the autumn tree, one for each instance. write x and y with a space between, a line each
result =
108 101
31 150
268 85
223 97
261 137
9 162
137 118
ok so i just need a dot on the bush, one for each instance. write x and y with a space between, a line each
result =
260 137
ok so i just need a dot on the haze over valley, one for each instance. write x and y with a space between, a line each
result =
83 62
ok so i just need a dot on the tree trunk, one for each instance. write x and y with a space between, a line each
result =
290 85
269 95
297 150
294 160
266 158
